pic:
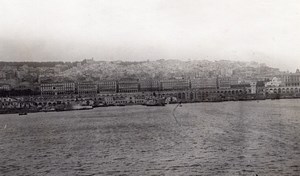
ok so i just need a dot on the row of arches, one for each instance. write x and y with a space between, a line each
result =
284 90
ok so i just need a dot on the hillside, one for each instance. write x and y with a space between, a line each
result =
165 69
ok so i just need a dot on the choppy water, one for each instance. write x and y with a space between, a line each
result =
228 138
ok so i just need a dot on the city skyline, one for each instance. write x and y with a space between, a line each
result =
262 31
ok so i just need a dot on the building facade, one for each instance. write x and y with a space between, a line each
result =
175 84
289 91
291 79
128 85
201 83
149 85
224 82
87 88
57 88
107 86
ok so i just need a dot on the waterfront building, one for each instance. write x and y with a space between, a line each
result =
128 85
87 88
140 101
216 94
287 86
149 85
9 103
224 82
128 100
175 84
260 87
109 101
275 82
200 83
120 101
85 101
234 80
131 99
292 79
293 91
245 87
57 88
107 86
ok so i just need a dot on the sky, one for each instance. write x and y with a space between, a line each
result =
266 31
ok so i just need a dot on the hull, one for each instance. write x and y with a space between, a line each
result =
73 107
155 103
79 107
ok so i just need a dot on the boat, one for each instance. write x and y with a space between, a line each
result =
275 97
80 107
100 105
23 113
47 109
73 107
154 102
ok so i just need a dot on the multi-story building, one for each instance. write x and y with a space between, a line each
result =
260 87
202 83
175 84
149 85
215 94
57 88
109 100
107 86
291 79
87 88
245 87
224 82
128 85
234 80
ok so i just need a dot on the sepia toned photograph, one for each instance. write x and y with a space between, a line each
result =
149 88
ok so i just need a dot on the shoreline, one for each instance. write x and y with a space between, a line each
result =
20 111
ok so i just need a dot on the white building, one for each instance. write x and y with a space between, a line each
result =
275 82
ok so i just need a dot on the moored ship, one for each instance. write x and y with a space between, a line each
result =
71 107
81 107
155 102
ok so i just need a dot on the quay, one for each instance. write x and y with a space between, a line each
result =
31 104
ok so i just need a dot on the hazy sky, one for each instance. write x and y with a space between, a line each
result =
248 30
